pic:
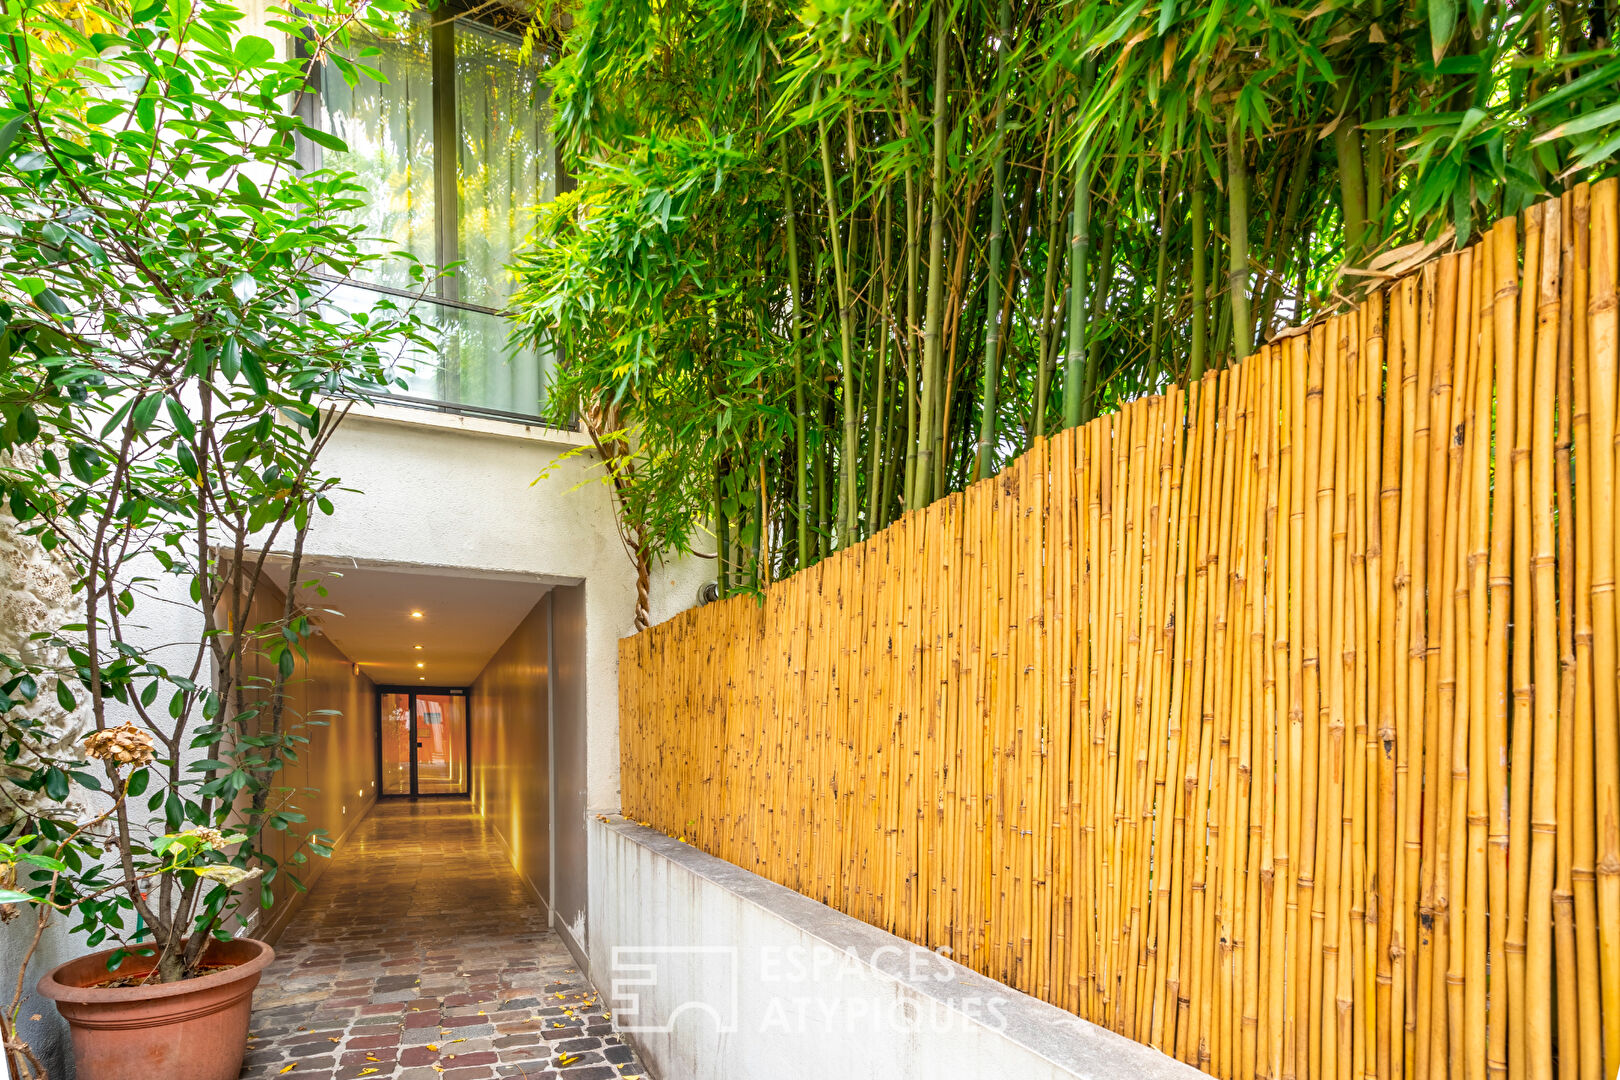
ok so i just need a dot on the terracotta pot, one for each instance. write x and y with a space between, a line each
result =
195 1029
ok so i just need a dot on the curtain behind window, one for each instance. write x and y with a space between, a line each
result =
388 128
505 170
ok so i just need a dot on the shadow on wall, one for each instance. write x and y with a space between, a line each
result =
333 783
528 777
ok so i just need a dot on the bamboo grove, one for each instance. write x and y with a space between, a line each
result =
823 264
1270 721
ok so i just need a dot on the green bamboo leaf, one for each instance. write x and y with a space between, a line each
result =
1600 77
1599 153
1117 28
1442 24
1585 122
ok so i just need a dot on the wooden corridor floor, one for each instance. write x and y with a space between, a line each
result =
421 955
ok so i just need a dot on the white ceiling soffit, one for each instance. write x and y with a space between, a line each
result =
367 610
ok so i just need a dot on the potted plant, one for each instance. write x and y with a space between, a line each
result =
170 355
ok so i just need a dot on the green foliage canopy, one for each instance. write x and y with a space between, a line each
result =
798 232
168 366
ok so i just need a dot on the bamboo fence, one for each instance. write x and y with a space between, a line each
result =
1271 722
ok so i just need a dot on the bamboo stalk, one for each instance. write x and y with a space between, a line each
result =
1583 856
992 329
921 492
1479 524
1196 720
1543 821
1603 358
1519 1007
1079 298
1563 896
1504 290
1389 507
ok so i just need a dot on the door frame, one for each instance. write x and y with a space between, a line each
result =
463 692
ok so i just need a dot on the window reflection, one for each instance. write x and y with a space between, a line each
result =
441 744
496 167
396 744
388 128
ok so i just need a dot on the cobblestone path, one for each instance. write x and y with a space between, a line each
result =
421 955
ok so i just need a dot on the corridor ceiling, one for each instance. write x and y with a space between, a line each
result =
367 615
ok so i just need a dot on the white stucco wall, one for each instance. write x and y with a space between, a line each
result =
436 490
440 490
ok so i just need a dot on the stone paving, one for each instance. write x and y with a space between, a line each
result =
421 955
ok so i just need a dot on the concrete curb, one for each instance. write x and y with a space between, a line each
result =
1071 1045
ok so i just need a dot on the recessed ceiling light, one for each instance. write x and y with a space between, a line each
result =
416 646
416 614
420 664
423 678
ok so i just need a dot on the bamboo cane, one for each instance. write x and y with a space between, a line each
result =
1408 746
1389 504
1603 357
1504 278
1421 691
1458 642
1543 823
1105 727
1479 525
1563 897
1519 1007
1583 855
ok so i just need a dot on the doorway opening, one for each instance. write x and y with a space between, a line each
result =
424 741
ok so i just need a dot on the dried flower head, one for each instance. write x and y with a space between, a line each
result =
125 744
210 837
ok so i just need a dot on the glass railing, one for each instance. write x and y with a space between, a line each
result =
469 364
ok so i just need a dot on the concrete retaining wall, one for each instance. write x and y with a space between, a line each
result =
716 973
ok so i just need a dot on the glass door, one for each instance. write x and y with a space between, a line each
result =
422 743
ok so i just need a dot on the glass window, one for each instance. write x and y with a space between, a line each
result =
388 128
464 196
505 159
